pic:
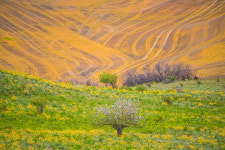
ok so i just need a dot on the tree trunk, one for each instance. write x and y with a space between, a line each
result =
119 132
113 85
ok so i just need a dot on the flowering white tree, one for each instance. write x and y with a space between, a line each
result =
120 115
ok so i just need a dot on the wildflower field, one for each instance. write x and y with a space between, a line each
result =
190 118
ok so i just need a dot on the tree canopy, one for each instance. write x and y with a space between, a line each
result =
108 78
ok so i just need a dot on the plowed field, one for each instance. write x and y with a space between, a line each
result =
66 39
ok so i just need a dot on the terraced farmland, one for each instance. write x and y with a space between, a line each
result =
65 39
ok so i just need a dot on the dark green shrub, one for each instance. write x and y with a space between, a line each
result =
218 79
129 88
141 88
123 88
198 82
181 85
171 78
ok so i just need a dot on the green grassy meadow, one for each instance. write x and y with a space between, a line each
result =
194 119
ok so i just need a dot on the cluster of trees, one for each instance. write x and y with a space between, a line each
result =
160 73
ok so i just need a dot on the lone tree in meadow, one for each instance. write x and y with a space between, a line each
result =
108 78
39 102
120 115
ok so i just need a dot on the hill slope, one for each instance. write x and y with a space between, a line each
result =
194 119
63 40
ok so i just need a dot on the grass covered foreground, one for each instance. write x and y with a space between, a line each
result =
194 118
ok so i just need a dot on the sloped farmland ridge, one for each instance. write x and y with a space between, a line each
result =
63 40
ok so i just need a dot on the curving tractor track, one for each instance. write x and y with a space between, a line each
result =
64 40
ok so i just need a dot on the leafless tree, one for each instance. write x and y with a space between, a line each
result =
182 71
176 71
159 70
131 79
186 72
159 73
167 70
141 78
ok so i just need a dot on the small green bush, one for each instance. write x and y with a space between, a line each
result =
123 87
198 82
129 88
39 102
171 78
181 85
218 80
126 88
141 88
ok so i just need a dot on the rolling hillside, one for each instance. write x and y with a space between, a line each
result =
66 39
192 118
